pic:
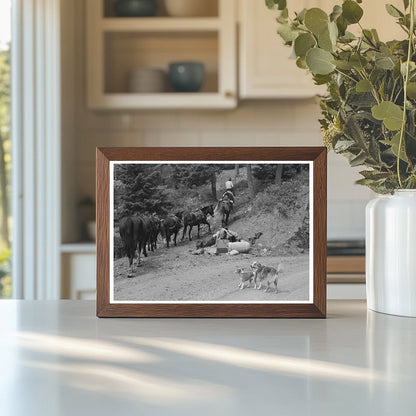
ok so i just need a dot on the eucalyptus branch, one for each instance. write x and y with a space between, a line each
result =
346 75
373 88
406 79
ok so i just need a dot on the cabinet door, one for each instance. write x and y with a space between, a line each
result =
265 68
78 276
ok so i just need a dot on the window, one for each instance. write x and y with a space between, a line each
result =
5 147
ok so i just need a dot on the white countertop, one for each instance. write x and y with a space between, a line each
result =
57 358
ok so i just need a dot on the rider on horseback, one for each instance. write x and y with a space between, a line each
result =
228 195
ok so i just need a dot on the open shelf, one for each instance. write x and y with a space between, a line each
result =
119 45
160 24
211 9
126 51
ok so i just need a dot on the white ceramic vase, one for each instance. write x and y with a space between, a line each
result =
391 253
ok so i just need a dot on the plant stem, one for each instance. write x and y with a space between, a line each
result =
346 75
405 81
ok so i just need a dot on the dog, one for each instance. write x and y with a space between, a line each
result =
244 278
265 274
252 240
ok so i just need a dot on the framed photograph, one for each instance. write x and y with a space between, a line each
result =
211 232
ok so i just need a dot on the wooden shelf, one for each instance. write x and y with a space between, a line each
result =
346 264
117 45
160 24
87 247
346 269
197 100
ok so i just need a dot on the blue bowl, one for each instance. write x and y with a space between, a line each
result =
135 8
186 76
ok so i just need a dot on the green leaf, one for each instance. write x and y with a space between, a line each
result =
287 33
358 61
374 150
375 35
411 90
358 160
384 62
276 4
319 61
303 43
374 174
406 4
365 182
347 37
363 86
368 36
301 15
351 11
321 79
353 131
344 65
412 67
343 145
333 32
336 12
325 42
342 25
301 63
316 20
394 144
388 112
393 11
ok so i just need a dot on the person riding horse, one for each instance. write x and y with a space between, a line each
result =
228 196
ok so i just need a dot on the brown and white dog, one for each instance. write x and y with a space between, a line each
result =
244 277
265 274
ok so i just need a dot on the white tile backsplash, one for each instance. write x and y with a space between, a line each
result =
258 123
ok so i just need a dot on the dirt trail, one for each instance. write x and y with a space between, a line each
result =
176 274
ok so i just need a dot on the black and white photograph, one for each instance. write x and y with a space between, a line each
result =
211 232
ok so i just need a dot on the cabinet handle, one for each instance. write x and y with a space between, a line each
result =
229 94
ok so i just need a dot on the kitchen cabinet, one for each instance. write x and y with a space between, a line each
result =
265 70
78 263
118 45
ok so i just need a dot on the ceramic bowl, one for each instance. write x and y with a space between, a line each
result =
135 8
147 80
186 76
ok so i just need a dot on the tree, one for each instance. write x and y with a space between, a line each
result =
279 174
236 171
250 181
4 142
197 175
139 189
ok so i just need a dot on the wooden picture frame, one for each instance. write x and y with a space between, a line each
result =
315 304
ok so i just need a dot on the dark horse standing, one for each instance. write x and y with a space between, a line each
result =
224 207
133 232
170 227
198 217
155 228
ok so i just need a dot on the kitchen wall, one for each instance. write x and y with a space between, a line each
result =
253 123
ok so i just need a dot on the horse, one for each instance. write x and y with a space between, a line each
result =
171 226
224 207
155 228
133 232
197 217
